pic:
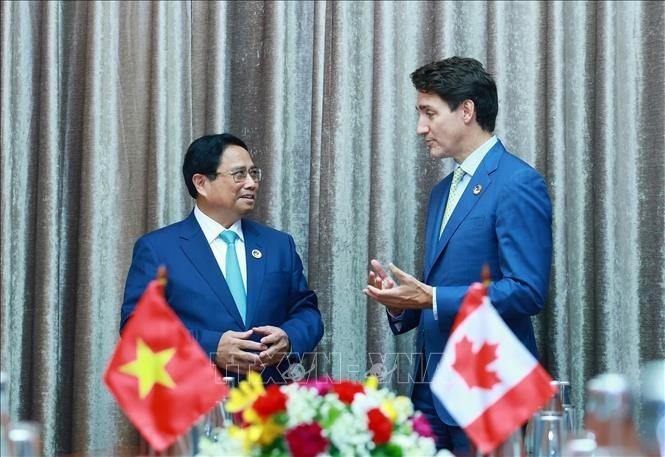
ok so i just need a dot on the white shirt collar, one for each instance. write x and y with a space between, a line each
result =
211 228
471 163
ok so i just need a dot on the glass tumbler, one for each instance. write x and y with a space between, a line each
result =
548 435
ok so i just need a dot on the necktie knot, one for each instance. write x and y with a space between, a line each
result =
229 237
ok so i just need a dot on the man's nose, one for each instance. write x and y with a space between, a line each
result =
421 127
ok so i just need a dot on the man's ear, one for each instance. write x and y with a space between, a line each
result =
468 111
199 182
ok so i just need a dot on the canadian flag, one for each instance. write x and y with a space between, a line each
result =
488 381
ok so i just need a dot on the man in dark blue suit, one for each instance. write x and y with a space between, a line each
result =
237 285
492 210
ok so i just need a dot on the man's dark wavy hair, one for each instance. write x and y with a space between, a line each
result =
457 79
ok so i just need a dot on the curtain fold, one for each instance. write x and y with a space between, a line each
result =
101 99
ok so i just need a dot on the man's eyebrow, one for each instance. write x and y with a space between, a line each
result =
423 107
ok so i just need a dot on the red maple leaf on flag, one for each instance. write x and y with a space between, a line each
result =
472 366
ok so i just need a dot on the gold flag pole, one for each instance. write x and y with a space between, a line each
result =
485 275
162 277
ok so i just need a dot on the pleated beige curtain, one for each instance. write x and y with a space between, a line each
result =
100 100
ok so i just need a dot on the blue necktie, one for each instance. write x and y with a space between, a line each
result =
233 275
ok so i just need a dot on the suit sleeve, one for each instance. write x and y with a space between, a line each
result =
143 269
406 321
523 229
524 233
304 325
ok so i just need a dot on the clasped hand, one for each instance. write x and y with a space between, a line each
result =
236 352
408 294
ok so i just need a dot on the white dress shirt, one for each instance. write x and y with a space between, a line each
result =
211 230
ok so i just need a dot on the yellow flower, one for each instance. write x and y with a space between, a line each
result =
246 393
257 434
242 434
270 430
388 409
250 416
372 382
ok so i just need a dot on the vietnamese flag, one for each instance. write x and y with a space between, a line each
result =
488 381
159 374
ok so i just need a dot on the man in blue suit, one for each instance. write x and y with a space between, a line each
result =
492 210
237 285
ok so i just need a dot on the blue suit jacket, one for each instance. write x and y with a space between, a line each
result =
507 225
277 291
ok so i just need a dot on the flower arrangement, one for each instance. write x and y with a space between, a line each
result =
321 418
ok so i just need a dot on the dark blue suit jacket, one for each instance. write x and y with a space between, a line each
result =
507 225
277 291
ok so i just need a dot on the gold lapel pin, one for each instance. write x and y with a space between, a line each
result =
257 254
477 189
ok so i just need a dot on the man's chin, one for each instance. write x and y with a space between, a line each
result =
438 153
245 208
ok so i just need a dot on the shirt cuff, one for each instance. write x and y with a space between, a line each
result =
396 319
395 316
436 315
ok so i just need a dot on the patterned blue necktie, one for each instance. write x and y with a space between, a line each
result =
233 275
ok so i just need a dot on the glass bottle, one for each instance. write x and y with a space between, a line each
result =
609 415
230 382
652 408
548 434
25 439
4 414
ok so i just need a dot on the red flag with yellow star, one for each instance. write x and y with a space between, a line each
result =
159 374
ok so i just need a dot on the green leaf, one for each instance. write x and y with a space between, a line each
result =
276 449
333 414
387 450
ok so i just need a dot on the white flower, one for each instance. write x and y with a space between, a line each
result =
363 403
414 445
302 404
225 445
444 453
330 406
403 407
350 435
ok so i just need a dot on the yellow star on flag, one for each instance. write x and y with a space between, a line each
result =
149 368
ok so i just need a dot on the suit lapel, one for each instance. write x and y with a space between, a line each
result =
435 216
256 267
482 178
196 248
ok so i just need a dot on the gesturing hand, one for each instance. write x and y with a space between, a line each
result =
232 352
408 294
277 342
379 279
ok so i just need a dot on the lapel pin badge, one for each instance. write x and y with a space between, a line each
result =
257 254
477 189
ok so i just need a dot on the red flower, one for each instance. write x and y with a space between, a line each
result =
272 401
305 440
379 425
421 426
346 390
